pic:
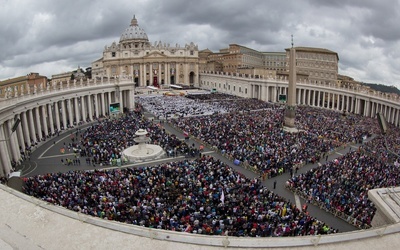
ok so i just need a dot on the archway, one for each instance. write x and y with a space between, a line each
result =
191 78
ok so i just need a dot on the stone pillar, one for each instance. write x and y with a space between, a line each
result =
38 124
20 134
96 105
166 74
64 114
57 114
151 75
25 125
5 166
77 112
12 141
44 120
70 110
103 104
51 120
290 112
83 108
159 75
31 126
90 107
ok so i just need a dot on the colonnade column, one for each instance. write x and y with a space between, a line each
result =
20 135
64 114
159 75
44 120
166 74
38 125
143 74
77 112
90 107
57 114
70 117
84 116
5 169
31 126
12 141
103 104
51 121
151 74
25 125
96 105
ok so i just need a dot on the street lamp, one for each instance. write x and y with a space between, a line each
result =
13 129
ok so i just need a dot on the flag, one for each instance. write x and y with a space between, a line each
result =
222 197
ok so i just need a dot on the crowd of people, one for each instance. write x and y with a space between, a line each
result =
341 186
103 143
200 196
257 138
203 195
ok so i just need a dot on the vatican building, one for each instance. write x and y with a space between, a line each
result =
148 64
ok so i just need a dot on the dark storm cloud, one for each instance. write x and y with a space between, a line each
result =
51 37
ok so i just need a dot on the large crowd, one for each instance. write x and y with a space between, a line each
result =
341 186
257 138
203 195
104 142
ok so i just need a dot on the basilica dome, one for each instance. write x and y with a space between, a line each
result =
133 32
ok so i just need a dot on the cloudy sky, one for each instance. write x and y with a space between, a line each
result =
50 37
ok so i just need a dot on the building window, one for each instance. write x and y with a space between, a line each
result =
191 52
113 54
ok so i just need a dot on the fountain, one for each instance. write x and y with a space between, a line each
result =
143 151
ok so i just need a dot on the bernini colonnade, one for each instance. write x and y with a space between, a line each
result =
61 105
55 108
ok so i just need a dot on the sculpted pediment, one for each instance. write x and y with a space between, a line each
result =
154 54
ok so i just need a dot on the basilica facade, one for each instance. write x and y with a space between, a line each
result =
148 64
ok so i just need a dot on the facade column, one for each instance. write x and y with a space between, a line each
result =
20 135
64 114
90 107
144 75
57 114
372 109
83 108
13 142
38 125
177 73
318 98
70 110
103 104
298 96
96 105
151 74
396 119
44 120
5 167
31 126
166 74
77 112
329 101
25 125
343 101
159 74
51 121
